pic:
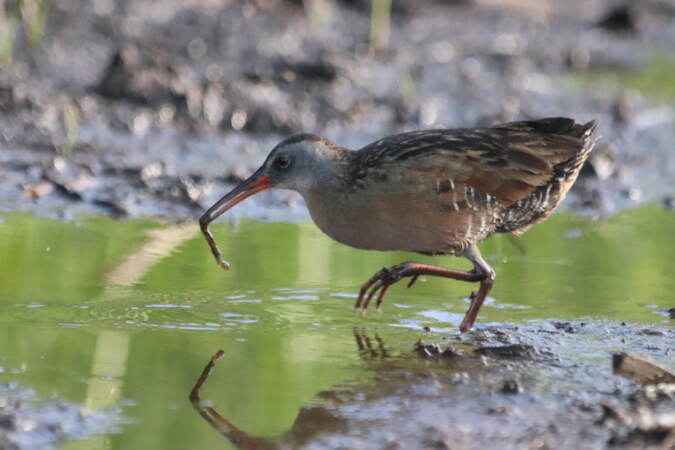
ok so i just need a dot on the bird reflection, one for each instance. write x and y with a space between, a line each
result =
311 420
236 436
365 345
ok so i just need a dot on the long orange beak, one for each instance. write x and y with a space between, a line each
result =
257 182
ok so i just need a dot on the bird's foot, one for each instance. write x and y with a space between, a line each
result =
380 282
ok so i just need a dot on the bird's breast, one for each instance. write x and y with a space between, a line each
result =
388 218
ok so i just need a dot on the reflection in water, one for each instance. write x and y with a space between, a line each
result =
515 386
105 384
236 436
162 242
104 387
310 421
365 345
108 369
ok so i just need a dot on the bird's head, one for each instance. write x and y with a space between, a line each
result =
297 163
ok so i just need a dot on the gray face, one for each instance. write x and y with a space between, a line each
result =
297 163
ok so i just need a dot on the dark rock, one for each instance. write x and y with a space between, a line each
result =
511 387
508 351
567 327
308 70
7 422
620 19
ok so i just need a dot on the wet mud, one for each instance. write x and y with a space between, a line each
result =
28 422
544 385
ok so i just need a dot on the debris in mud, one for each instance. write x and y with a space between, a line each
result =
648 418
27 424
491 335
567 327
511 387
651 332
427 351
509 351
640 369
37 190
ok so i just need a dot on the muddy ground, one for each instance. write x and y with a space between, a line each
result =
543 385
134 109
28 422
157 108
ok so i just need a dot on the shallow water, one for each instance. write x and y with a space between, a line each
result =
122 316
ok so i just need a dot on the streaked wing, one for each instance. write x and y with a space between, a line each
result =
508 161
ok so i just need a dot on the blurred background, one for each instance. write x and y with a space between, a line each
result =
133 107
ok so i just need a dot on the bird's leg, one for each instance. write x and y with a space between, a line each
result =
487 279
386 277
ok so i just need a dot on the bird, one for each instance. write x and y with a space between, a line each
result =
433 192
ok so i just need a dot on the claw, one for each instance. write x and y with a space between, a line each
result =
376 287
380 298
379 284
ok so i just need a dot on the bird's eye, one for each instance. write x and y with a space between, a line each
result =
283 162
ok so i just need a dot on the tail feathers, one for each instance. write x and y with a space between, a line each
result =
540 204
585 133
562 126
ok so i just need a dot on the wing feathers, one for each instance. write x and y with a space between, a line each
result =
508 161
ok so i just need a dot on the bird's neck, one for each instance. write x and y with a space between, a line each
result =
331 198
328 173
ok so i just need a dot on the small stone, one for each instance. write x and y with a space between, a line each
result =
7 422
564 326
508 351
511 387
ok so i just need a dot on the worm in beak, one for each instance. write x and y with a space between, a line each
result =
257 182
